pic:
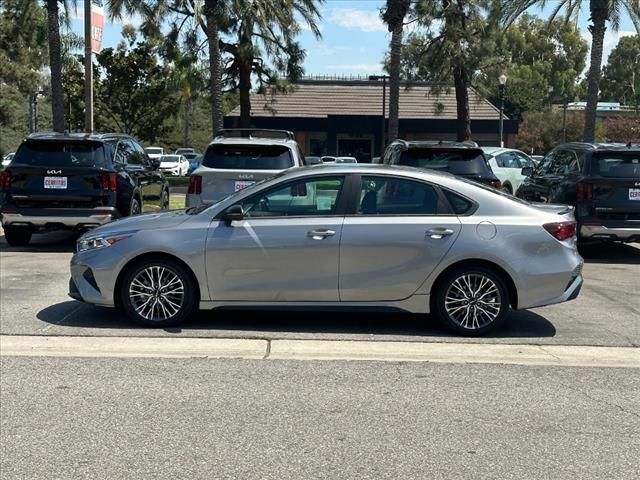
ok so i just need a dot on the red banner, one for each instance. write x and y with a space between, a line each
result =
97 25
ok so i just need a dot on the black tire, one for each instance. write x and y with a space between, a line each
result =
17 236
484 312
134 208
164 202
153 316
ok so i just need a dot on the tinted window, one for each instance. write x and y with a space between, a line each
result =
153 150
462 160
317 197
248 157
459 204
60 154
392 196
625 165
564 162
524 160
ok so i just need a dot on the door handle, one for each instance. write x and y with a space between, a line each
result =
320 234
438 233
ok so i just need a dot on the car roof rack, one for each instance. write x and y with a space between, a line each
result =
255 133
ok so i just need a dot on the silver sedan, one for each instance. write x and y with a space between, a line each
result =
336 236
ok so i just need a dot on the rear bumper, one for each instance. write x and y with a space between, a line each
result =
630 232
571 293
59 218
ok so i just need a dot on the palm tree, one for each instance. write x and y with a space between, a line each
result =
393 16
55 62
188 79
213 12
601 12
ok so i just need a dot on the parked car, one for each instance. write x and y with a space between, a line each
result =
346 160
507 164
311 160
76 182
537 159
7 159
328 159
182 151
464 159
601 180
194 161
154 152
238 158
174 165
380 237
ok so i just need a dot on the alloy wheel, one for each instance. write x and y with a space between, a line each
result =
473 301
156 293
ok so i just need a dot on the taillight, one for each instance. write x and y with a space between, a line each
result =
585 191
195 184
109 182
561 230
5 181
497 184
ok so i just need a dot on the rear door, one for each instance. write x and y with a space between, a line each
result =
58 174
286 248
394 241
615 177
228 168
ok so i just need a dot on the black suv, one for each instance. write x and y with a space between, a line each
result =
464 159
77 182
601 180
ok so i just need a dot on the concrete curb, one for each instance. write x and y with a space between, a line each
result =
532 355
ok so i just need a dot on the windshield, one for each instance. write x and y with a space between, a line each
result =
248 157
60 154
170 158
154 151
620 165
460 160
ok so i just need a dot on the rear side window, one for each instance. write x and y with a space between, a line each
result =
459 204
248 157
60 154
621 165
461 160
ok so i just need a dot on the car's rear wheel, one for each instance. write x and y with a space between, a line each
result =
17 236
472 301
158 293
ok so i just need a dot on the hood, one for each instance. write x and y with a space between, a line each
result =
146 221
169 164
154 155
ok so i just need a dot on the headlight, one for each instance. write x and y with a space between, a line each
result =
92 243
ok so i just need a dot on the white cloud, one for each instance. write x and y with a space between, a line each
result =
366 21
305 26
357 67
611 39
327 51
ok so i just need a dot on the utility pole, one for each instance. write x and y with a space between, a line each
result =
88 69
383 130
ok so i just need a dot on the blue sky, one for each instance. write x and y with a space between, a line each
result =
354 40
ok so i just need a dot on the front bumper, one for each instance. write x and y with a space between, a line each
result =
71 218
171 171
630 232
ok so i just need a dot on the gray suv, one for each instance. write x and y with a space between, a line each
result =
237 158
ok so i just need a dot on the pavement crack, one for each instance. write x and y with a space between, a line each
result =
605 402
268 350
542 347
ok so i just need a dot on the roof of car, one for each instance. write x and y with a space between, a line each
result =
252 141
434 144
371 169
498 150
78 136
602 146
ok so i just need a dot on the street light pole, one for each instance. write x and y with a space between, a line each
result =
503 81
383 129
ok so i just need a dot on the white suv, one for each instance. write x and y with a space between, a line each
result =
237 158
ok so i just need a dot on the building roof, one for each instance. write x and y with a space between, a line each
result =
319 99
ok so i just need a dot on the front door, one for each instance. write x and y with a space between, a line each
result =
286 249
395 240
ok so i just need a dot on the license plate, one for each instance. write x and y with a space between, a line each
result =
634 194
55 182
240 184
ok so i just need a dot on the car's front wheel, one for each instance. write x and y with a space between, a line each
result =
472 301
17 236
158 293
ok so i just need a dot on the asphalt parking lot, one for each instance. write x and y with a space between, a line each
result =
34 301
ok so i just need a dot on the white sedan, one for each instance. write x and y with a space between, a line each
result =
176 165
507 165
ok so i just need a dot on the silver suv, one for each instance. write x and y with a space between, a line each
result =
237 158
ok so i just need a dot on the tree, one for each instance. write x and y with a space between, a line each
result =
621 76
214 12
134 93
622 129
601 12
457 43
55 63
394 16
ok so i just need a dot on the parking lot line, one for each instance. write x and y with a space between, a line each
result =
547 355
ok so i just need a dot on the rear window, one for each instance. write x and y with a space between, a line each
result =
248 157
621 165
60 154
448 160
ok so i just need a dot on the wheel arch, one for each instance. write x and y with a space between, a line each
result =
476 262
154 256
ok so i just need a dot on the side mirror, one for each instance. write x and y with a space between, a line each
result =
233 213
527 171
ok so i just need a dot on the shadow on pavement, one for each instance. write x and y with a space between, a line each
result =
51 242
609 252
255 323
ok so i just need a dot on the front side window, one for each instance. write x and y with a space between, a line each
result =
60 154
248 157
304 198
394 196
